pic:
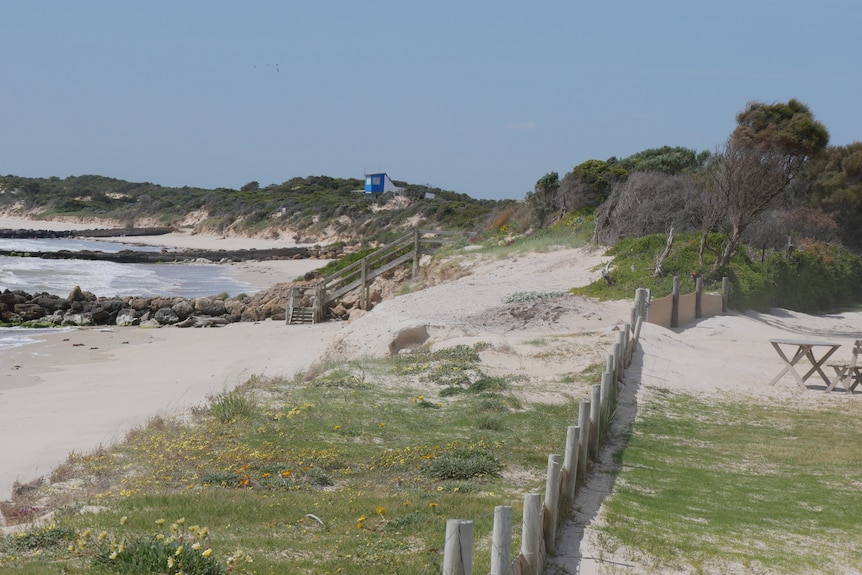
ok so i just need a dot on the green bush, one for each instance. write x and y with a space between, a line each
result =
232 405
154 555
464 463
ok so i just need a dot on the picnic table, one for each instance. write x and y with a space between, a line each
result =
816 352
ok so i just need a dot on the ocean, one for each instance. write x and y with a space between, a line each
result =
59 277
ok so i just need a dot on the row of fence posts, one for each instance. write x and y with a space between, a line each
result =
539 523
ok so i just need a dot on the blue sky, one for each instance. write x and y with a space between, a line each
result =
478 97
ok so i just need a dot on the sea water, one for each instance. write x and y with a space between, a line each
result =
108 279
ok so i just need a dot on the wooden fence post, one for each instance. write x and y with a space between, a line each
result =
725 293
583 448
674 312
552 503
319 304
608 399
570 461
642 302
416 254
637 333
501 541
363 288
595 421
618 362
698 297
531 534
458 548
624 337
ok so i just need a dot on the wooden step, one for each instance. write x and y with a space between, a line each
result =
300 315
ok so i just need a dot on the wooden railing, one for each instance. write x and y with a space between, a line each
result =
360 274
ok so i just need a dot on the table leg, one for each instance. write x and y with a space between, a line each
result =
800 353
841 376
817 364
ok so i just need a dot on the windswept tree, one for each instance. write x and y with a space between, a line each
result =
837 190
543 199
589 184
761 158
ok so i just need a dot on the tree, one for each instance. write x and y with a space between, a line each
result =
589 184
543 199
837 190
648 203
666 160
761 158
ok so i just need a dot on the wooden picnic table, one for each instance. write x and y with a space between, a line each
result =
804 349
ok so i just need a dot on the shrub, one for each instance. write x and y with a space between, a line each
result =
232 405
154 555
464 463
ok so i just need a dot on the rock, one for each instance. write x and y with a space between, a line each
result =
150 323
201 321
160 302
210 306
101 317
127 317
188 322
10 317
50 302
77 319
183 309
166 316
139 304
75 295
112 305
30 311
13 297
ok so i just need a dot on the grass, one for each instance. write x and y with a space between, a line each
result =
354 470
727 486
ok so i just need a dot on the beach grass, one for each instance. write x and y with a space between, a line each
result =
710 486
354 468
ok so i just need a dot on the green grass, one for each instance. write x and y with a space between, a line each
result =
355 470
713 486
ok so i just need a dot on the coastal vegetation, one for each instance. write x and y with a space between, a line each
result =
361 462
729 485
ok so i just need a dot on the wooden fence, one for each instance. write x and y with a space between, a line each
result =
675 310
539 523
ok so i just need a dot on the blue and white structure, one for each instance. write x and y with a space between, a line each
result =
377 184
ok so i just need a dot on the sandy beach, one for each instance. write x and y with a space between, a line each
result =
83 388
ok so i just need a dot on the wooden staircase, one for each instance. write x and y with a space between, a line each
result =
308 304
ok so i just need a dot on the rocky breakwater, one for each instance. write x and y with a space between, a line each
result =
82 308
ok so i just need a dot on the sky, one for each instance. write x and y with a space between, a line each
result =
477 97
